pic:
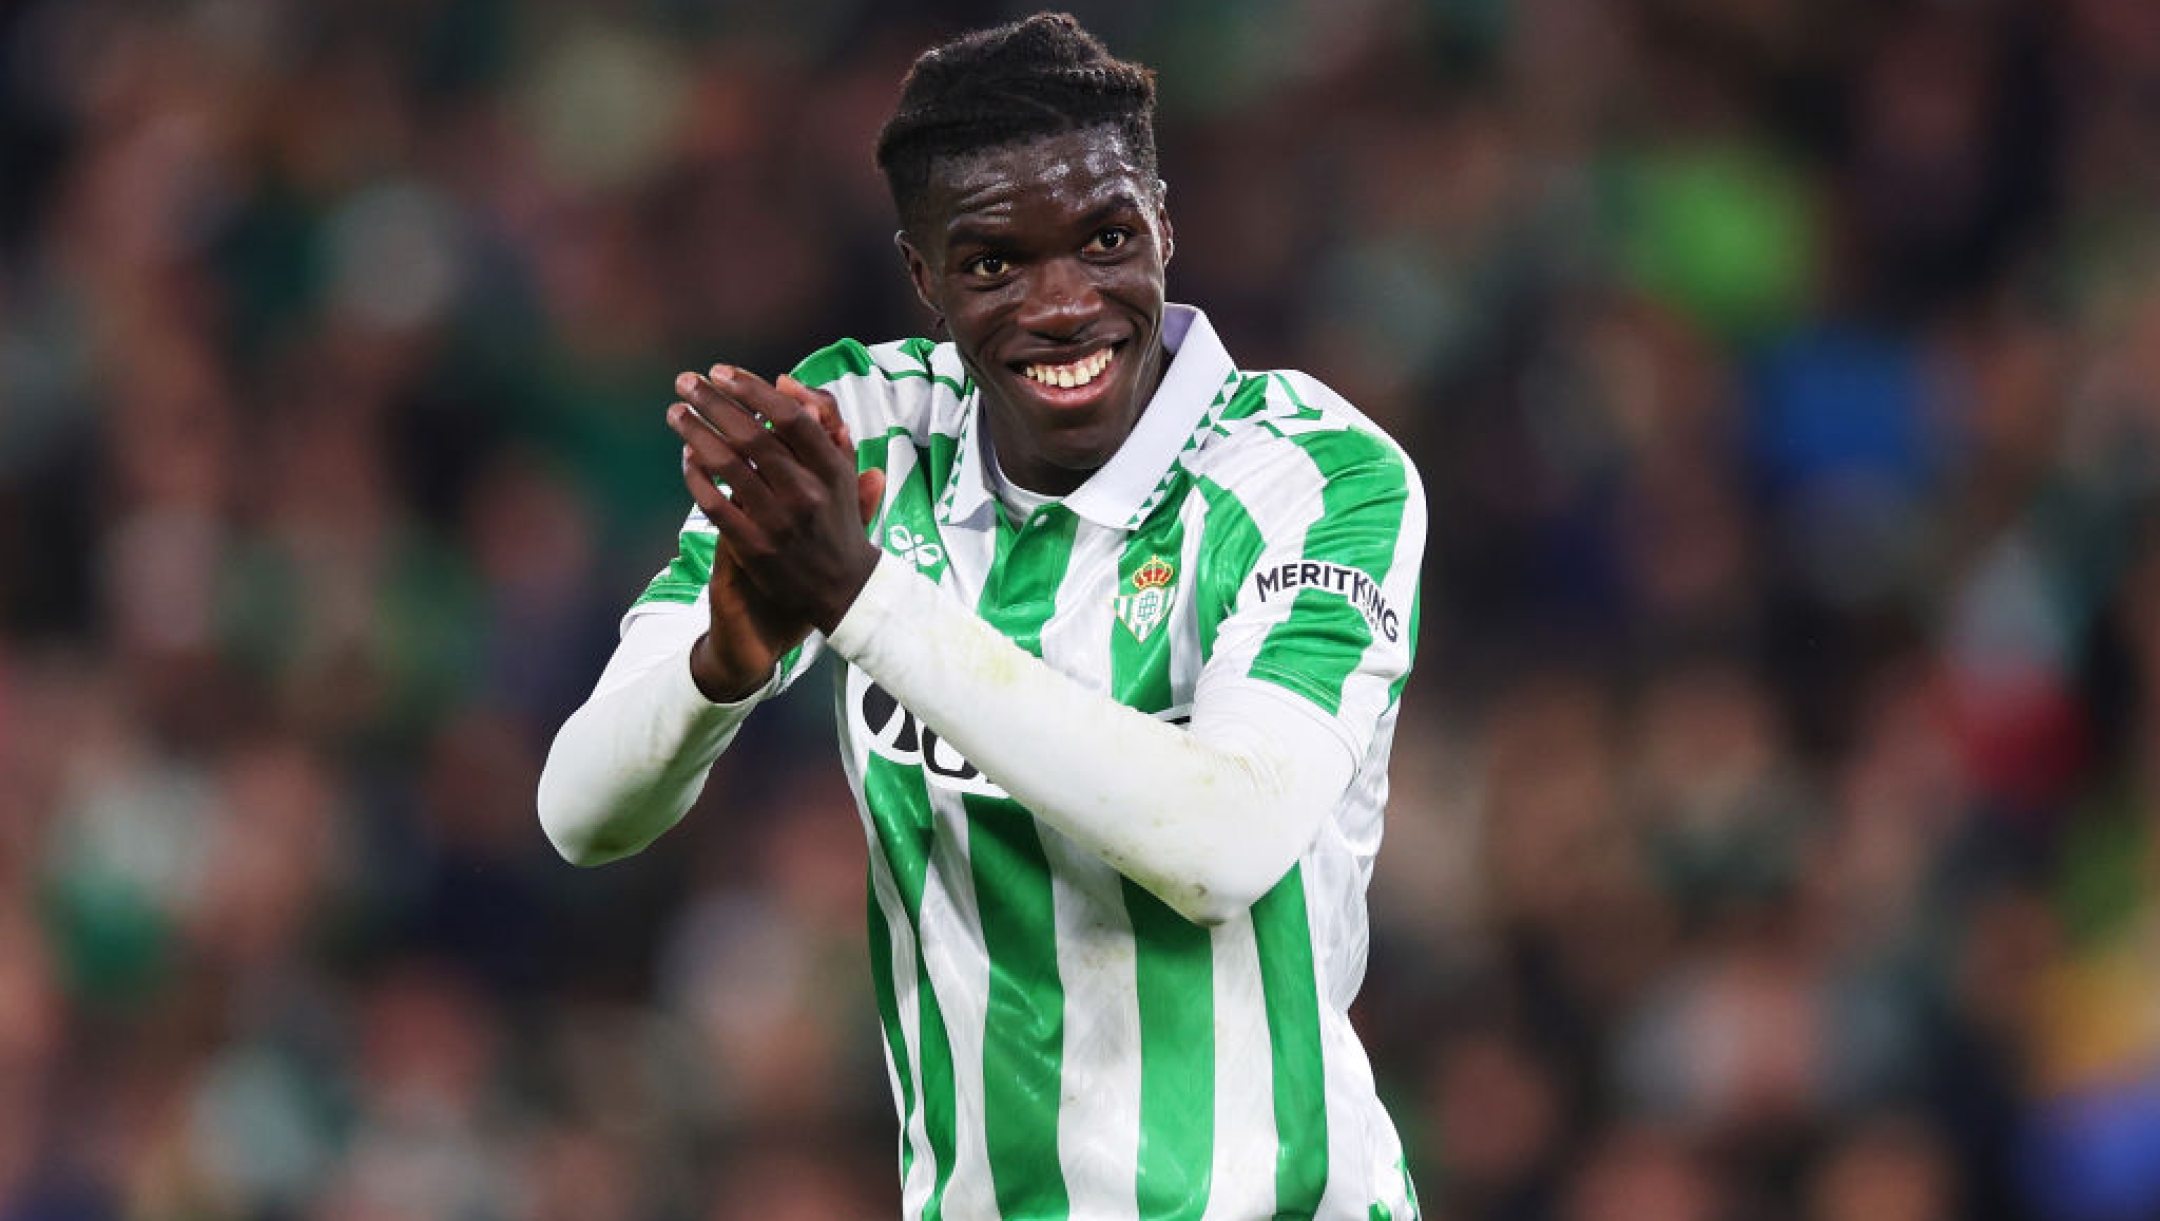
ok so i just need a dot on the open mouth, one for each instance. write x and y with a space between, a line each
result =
1061 381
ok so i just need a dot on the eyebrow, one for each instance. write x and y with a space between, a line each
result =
968 228
961 232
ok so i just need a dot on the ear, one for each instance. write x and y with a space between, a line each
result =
1162 221
918 269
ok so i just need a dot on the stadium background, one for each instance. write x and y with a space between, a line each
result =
1776 830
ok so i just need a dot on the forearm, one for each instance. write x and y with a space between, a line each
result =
628 764
1208 818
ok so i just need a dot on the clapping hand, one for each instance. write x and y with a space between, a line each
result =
792 554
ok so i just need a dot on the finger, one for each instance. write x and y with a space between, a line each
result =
732 424
751 394
714 457
793 417
703 491
720 410
705 488
769 429
738 530
869 485
869 494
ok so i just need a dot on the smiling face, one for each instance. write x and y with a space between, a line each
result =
1046 260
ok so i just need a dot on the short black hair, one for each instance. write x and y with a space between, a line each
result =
1039 76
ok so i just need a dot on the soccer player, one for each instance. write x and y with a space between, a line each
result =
1119 662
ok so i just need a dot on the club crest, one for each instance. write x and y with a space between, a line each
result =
1146 601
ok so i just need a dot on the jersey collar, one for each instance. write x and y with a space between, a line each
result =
1119 494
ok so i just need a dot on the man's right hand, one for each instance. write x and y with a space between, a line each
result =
750 632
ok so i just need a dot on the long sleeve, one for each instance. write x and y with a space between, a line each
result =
629 762
1207 817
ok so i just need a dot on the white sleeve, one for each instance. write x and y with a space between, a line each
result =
1207 817
629 762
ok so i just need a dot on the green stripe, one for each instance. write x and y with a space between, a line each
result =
1291 990
877 451
685 576
937 459
829 364
1174 963
900 811
1024 1035
888 1006
909 527
1140 668
940 1105
1231 547
1249 400
1319 645
1024 1029
849 358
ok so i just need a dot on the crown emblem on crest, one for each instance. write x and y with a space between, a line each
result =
1144 609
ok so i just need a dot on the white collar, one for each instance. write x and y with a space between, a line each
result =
1124 488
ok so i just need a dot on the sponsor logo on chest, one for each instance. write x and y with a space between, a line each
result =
892 732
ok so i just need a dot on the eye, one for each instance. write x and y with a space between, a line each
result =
986 266
1109 239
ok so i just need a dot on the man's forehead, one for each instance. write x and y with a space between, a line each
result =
1091 165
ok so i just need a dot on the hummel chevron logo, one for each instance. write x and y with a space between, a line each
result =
915 548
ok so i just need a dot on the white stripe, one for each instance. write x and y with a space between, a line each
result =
1362 1144
1099 1117
1283 515
1184 626
1076 639
950 921
872 403
953 937
1241 1176
1099 1114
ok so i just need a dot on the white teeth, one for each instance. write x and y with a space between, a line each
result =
1078 373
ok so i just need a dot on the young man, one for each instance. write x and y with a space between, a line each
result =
1119 665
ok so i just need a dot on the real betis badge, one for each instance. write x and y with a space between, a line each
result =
1144 607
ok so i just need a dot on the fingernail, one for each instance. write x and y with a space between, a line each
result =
685 383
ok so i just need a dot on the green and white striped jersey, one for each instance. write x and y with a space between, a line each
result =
1061 1044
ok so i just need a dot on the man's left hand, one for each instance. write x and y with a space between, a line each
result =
794 513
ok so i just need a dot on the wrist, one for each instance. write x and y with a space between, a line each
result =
723 679
890 583
828 617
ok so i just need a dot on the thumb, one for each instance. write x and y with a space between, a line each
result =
869 492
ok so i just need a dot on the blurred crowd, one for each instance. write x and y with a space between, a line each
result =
1776 828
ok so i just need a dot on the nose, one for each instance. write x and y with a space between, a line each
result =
1061 299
